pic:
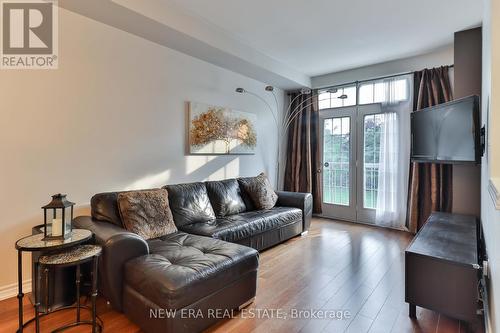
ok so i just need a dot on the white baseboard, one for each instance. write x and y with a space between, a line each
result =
10 290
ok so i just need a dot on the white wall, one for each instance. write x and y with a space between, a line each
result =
165 23
440 57
495 87
490 217
112 117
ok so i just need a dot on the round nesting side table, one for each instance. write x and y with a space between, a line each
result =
36 243
73 257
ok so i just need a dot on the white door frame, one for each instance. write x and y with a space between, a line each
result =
341 212
355 212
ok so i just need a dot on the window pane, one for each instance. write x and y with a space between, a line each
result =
401 90
331 100
379 92
371 150
337 127
384 91
336 102
366 93
324 100
351 95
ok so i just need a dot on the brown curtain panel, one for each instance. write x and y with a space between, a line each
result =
430 187
303 156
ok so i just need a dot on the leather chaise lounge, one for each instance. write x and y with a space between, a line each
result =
172 283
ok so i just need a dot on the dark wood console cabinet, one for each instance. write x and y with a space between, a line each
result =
442 267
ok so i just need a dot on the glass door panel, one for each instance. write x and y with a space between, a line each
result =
338 138
336 156
370 121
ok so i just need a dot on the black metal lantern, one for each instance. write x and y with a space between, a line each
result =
58 215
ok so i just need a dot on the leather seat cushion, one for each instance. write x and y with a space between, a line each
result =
189 203
183 268
225 197
236 227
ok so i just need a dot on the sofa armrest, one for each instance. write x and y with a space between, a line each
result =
119 246
303 201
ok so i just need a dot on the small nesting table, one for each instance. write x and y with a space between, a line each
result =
60 253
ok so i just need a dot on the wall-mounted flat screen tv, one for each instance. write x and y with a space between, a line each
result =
447 133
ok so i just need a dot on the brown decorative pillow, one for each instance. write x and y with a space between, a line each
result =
261 192
146 213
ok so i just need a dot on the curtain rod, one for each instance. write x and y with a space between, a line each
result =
367 80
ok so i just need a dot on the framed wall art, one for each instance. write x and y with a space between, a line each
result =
215 130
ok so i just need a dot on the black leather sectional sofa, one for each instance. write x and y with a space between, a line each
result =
175 282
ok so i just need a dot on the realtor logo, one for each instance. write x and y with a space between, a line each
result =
29 34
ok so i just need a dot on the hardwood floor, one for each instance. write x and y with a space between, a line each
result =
336 266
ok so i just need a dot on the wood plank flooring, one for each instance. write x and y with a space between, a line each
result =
337 266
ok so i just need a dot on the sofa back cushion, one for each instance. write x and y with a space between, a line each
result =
104 207
146 213
225 197
244 195
189 203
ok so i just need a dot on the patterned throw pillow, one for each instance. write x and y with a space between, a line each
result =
260 190
146 213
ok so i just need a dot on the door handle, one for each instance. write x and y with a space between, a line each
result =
326 164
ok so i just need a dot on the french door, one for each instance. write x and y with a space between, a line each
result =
350 147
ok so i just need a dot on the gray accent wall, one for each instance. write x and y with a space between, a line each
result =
467 78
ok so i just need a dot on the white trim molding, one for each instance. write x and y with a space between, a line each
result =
10 290
494 189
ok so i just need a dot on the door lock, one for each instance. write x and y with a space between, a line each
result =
326 164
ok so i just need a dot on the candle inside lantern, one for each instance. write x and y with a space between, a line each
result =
57 227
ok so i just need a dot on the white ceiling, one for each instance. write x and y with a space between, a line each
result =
317 37
163 23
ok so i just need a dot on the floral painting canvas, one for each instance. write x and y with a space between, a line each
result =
221 130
